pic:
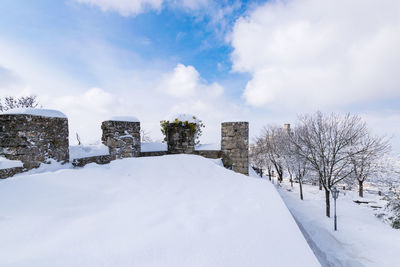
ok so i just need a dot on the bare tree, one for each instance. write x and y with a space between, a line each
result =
273 139
256 157
11 102
328 143
366 163
145 136
296 165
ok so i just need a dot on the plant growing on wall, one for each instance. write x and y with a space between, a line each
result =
191 122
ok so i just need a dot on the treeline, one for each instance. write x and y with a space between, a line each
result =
324 149
11 102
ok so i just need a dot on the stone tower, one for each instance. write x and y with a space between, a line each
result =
34 138
235 146
180 139
122 138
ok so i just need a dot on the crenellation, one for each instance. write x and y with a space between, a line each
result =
122 138
235 146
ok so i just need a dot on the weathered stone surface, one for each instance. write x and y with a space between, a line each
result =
33 139
180 139
235 146
81 162
122 138
9 172
211 154
153 153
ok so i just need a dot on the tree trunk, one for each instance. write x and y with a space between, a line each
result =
327 201
301 189
361 188
320 185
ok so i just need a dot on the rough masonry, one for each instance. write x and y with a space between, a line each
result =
235 146
122 138
33 139
180 139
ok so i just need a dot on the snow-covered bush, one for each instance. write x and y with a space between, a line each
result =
185 120
391 212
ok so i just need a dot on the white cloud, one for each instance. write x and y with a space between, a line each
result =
185 81
138 89
135 7
125 7
182 82
319 53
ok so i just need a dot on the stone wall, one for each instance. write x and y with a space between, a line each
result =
211 154
180 139
235 146
122 138
33 139
153 153
9 172
81 162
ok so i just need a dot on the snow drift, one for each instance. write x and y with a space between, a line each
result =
176 210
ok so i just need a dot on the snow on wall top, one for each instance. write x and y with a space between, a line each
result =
184 117
36 112
152 147
76 152
215 146
6 163
124 118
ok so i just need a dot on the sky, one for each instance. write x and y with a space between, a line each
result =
265 62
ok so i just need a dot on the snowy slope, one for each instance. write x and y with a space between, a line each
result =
176 210
361 240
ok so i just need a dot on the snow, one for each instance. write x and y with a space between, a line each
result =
361 240
6 163
175 210
184 117
124 118
215 146
87 151
36 112
153 146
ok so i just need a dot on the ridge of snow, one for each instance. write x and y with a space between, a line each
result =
153 146
81 151
124 118
36 112
213 146
7 163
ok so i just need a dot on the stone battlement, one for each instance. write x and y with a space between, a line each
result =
34 139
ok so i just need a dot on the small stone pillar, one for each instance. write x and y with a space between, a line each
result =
235 146
122 138
287 128
34 139
180 139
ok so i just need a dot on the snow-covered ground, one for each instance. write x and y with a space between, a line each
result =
176 210
361 240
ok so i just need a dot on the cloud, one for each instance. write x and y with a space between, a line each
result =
318 53
185 81
7 78
135 7
125 7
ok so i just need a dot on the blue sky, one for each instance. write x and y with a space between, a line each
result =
260 61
